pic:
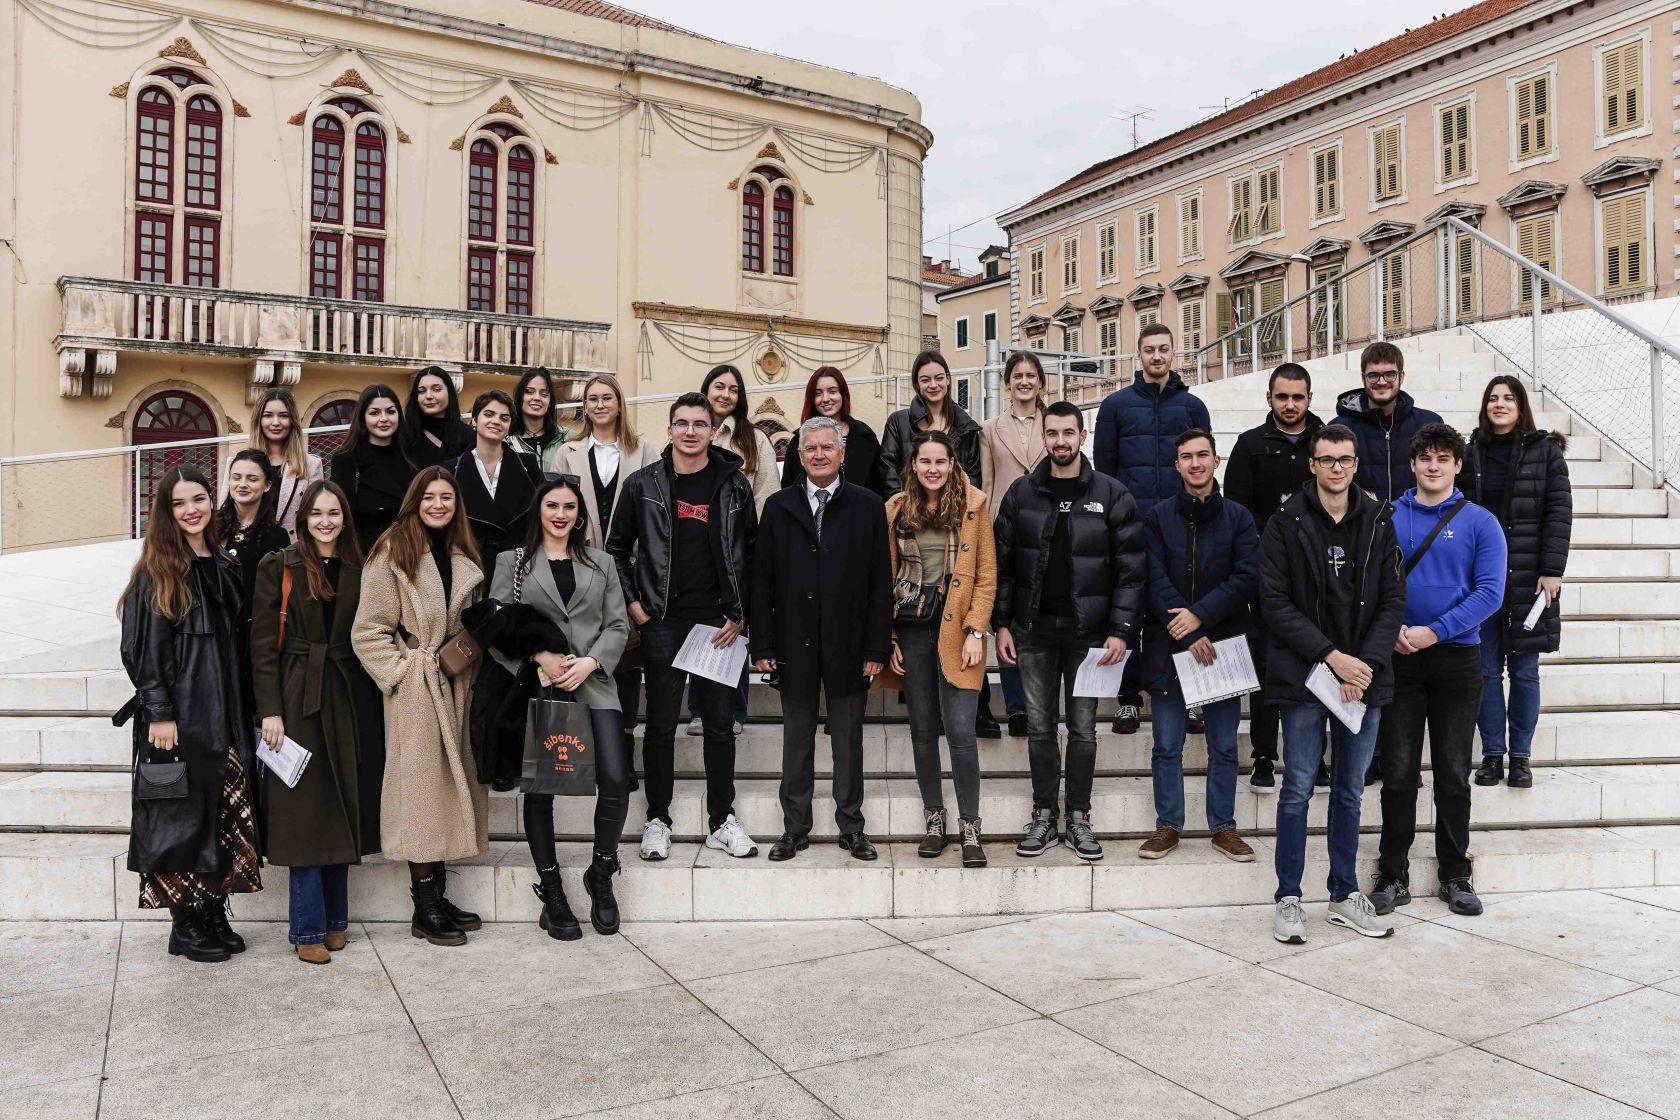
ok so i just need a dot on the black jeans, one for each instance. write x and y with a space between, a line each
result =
799 760
661 639
1440 687
612 794
1263 715
932 699
1049 653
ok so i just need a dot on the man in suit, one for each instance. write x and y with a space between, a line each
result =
821 619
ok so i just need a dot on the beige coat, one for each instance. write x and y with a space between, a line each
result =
768 478
432 807
574 459
1009 448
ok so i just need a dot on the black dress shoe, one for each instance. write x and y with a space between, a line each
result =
858 844
1492 770
1521 776
788 847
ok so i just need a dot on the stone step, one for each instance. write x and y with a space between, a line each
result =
1624 565
1594 475
1581 449
1638 502
83 877
1657 639
1621 600
1625 532
1561 795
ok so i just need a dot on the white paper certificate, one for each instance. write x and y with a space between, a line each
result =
1231 674
700 657
1535 612
287 762
1098 680
1322 683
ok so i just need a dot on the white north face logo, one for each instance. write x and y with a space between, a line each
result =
1093 507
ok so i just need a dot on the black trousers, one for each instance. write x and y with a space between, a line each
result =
661 639
799 751
1441 688
1263 716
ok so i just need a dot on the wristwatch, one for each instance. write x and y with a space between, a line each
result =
975 633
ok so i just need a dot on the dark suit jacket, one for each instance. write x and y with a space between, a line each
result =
822 610
498 524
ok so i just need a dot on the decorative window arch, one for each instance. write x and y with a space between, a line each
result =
503 218
348 175
169 415
768 194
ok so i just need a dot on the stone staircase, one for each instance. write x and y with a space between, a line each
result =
1604 810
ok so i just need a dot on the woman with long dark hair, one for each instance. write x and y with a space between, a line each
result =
574 588
371 468
497 481
931 410
423 572
245 523
433 432
311 689
827 394
181 629
1519 474
726 391
535 431
944 583
276 433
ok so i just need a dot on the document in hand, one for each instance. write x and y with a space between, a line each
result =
700 657
1535 612
1322 683
1099 680
287 762
1231 674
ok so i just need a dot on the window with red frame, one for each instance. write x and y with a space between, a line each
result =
481 192
178 140
752 227
521 187
370 175
155 152
326 171
481 279
204 153
370 269
519 267
350 234
501 221
781 244
325 264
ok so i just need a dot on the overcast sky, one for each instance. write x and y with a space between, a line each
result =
1021 96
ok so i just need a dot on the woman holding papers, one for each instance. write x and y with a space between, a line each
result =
192 838
575 589
1520 475
311 690
944 566
423 572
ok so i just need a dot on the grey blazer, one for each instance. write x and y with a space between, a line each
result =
594 621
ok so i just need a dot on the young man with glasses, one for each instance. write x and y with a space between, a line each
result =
682 535
1331 592
1383 419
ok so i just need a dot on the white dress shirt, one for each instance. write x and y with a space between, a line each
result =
605 457
833 488
489 477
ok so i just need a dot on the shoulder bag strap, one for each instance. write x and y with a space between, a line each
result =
519 575
1445 520
285 601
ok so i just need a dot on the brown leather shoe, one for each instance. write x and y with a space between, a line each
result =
1163 841
336 940
314 954
1228 844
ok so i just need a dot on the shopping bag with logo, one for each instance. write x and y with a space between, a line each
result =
559 748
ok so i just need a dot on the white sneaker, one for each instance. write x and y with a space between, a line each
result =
739 727
732 838
656 840
695 727
1356 913
1289 925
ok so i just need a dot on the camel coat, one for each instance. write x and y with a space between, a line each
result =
968 603
1009 448
432 807
574 459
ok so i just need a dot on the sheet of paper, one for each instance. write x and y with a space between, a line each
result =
1231 674
1322 683
1535 612
700 657
1098 680
287 762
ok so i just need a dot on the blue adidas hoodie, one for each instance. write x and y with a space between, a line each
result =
1461 579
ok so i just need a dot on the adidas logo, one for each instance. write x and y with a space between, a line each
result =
1446 534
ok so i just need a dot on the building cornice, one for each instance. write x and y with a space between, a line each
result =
964 289
746 321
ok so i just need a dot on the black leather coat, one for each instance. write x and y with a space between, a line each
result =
901 429
1266 467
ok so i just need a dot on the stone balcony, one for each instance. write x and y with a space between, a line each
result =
279 334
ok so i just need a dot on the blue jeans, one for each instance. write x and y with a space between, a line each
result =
1350 755
320 901
1166 764
1014 695
1523 710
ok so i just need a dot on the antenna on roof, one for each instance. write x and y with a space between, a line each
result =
1132 116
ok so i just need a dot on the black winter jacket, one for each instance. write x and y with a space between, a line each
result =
1204 555
1266 467
1105 539
1537 519
640 537
901 429
1292 558
1385 451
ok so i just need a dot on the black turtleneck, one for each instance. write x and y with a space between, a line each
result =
1496 468
440 557
1056 598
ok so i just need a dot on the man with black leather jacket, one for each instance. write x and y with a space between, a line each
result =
682 536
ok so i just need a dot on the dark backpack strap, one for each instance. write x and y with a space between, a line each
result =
1445 520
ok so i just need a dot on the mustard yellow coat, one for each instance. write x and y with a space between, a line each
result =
968 603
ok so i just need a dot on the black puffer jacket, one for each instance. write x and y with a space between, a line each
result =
1385 442
1105 539
640 537
1292 594
901 429
1537 519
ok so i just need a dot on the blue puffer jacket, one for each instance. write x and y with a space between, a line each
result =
1134 436
1385 443
1204 555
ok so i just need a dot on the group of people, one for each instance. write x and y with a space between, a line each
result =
344 610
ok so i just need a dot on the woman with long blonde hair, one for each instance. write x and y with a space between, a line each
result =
278 434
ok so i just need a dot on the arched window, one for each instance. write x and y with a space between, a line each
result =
501 219
770 180
167 417
331 414
348 244
178 193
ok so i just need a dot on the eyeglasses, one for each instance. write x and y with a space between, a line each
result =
1380 378
1336 462
701 426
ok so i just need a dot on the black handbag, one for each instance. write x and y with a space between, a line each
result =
159 781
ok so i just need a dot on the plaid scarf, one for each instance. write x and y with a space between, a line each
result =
907 579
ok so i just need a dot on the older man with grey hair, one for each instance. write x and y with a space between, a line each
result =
822 627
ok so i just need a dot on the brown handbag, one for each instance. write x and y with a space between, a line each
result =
459 653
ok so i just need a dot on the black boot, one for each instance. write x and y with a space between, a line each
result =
463 919
1521 776
1492 770
597 880
431 920
215 917
557 917
190 938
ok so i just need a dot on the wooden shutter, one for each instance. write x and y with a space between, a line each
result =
1190 325
1625 262
1070 263
1394 292
1108 337
1146 239
1190 226
1271 329
1271 205
1455 141
1241 198
1534 116
1035 274
1466 291
1385 159
1223 310
1327 187
1107 260
1536 240
1623 75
